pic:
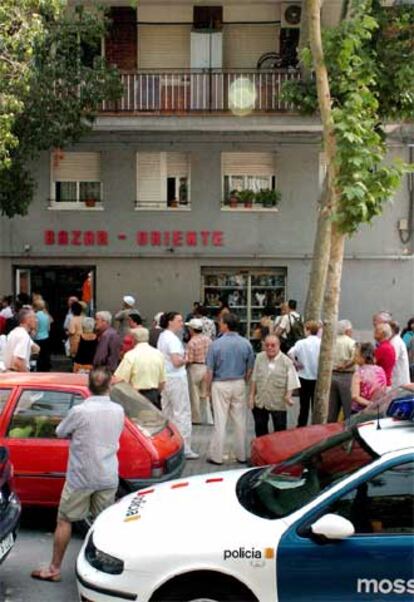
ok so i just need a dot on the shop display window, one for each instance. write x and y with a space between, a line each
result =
249 293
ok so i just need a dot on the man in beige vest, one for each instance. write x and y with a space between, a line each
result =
273 380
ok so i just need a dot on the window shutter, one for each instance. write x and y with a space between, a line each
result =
177 165
151 185
81 167
248 164
245 44
163 48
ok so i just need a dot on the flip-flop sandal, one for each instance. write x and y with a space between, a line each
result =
45 575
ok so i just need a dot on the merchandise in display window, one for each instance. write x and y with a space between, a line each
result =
248 293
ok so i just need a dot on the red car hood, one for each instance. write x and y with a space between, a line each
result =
276 447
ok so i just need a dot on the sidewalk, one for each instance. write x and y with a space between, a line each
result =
201 439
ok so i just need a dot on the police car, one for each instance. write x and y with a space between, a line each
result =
332 523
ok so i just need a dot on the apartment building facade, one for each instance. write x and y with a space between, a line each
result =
153 201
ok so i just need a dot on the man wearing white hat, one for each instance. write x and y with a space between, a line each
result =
123 315
196 369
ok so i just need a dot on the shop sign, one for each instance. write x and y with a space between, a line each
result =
143 238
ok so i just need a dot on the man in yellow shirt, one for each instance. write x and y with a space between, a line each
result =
143 367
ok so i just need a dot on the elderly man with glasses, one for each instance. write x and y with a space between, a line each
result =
273 381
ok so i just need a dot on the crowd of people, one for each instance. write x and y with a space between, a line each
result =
202 371
195 371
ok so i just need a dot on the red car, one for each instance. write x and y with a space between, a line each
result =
32 405
277 447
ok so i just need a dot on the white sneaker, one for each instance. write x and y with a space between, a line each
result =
191 455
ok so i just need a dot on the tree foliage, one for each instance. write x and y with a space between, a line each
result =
65 82
21 27
370 61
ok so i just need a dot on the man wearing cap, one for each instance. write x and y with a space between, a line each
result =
143 367
196 369
155 330
122 315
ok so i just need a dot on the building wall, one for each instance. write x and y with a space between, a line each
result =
377 273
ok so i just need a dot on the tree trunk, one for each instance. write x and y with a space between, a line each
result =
320 259
331 300
330 313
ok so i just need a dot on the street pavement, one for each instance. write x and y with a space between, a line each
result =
34 543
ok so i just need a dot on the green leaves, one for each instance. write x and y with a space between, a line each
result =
370 61
50 89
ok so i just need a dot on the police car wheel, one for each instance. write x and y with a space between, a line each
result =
223 590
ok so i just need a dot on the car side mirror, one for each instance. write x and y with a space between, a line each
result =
332 527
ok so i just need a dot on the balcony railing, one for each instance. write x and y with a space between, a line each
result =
213 91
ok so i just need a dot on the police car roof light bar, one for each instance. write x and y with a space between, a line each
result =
402 409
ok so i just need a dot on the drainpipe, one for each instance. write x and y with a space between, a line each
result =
406 227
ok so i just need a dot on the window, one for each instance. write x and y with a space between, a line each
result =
76 180
248 293
163 181
38 413
208 17
4 396
249 180
384 504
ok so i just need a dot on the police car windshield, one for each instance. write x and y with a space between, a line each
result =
281 489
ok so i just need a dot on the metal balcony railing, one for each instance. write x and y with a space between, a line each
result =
195 91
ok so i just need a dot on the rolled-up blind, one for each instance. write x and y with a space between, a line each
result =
81 167
150 183
177 165
248 164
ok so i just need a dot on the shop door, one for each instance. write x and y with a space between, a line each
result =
56 284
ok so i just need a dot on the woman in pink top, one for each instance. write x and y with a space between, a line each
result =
368 379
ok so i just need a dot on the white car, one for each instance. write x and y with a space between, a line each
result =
333 523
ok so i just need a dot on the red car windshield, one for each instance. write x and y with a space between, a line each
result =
278 491
138 409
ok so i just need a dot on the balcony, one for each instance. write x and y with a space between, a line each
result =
202 92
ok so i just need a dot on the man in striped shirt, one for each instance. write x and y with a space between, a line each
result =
94 428
197 348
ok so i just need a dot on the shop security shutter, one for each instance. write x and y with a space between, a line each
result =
248 164
77 167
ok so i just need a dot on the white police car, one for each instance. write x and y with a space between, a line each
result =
333 523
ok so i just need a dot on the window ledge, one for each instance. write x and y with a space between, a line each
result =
53 206
250 209
169 209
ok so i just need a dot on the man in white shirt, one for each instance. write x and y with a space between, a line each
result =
401 370
175 398
305 355
6 311
19 345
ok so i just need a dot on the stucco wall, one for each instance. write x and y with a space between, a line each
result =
164 279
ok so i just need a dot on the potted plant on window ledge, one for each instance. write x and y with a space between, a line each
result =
247 197
90 202
233 199
268 198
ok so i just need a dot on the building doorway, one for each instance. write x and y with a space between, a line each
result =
56 284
